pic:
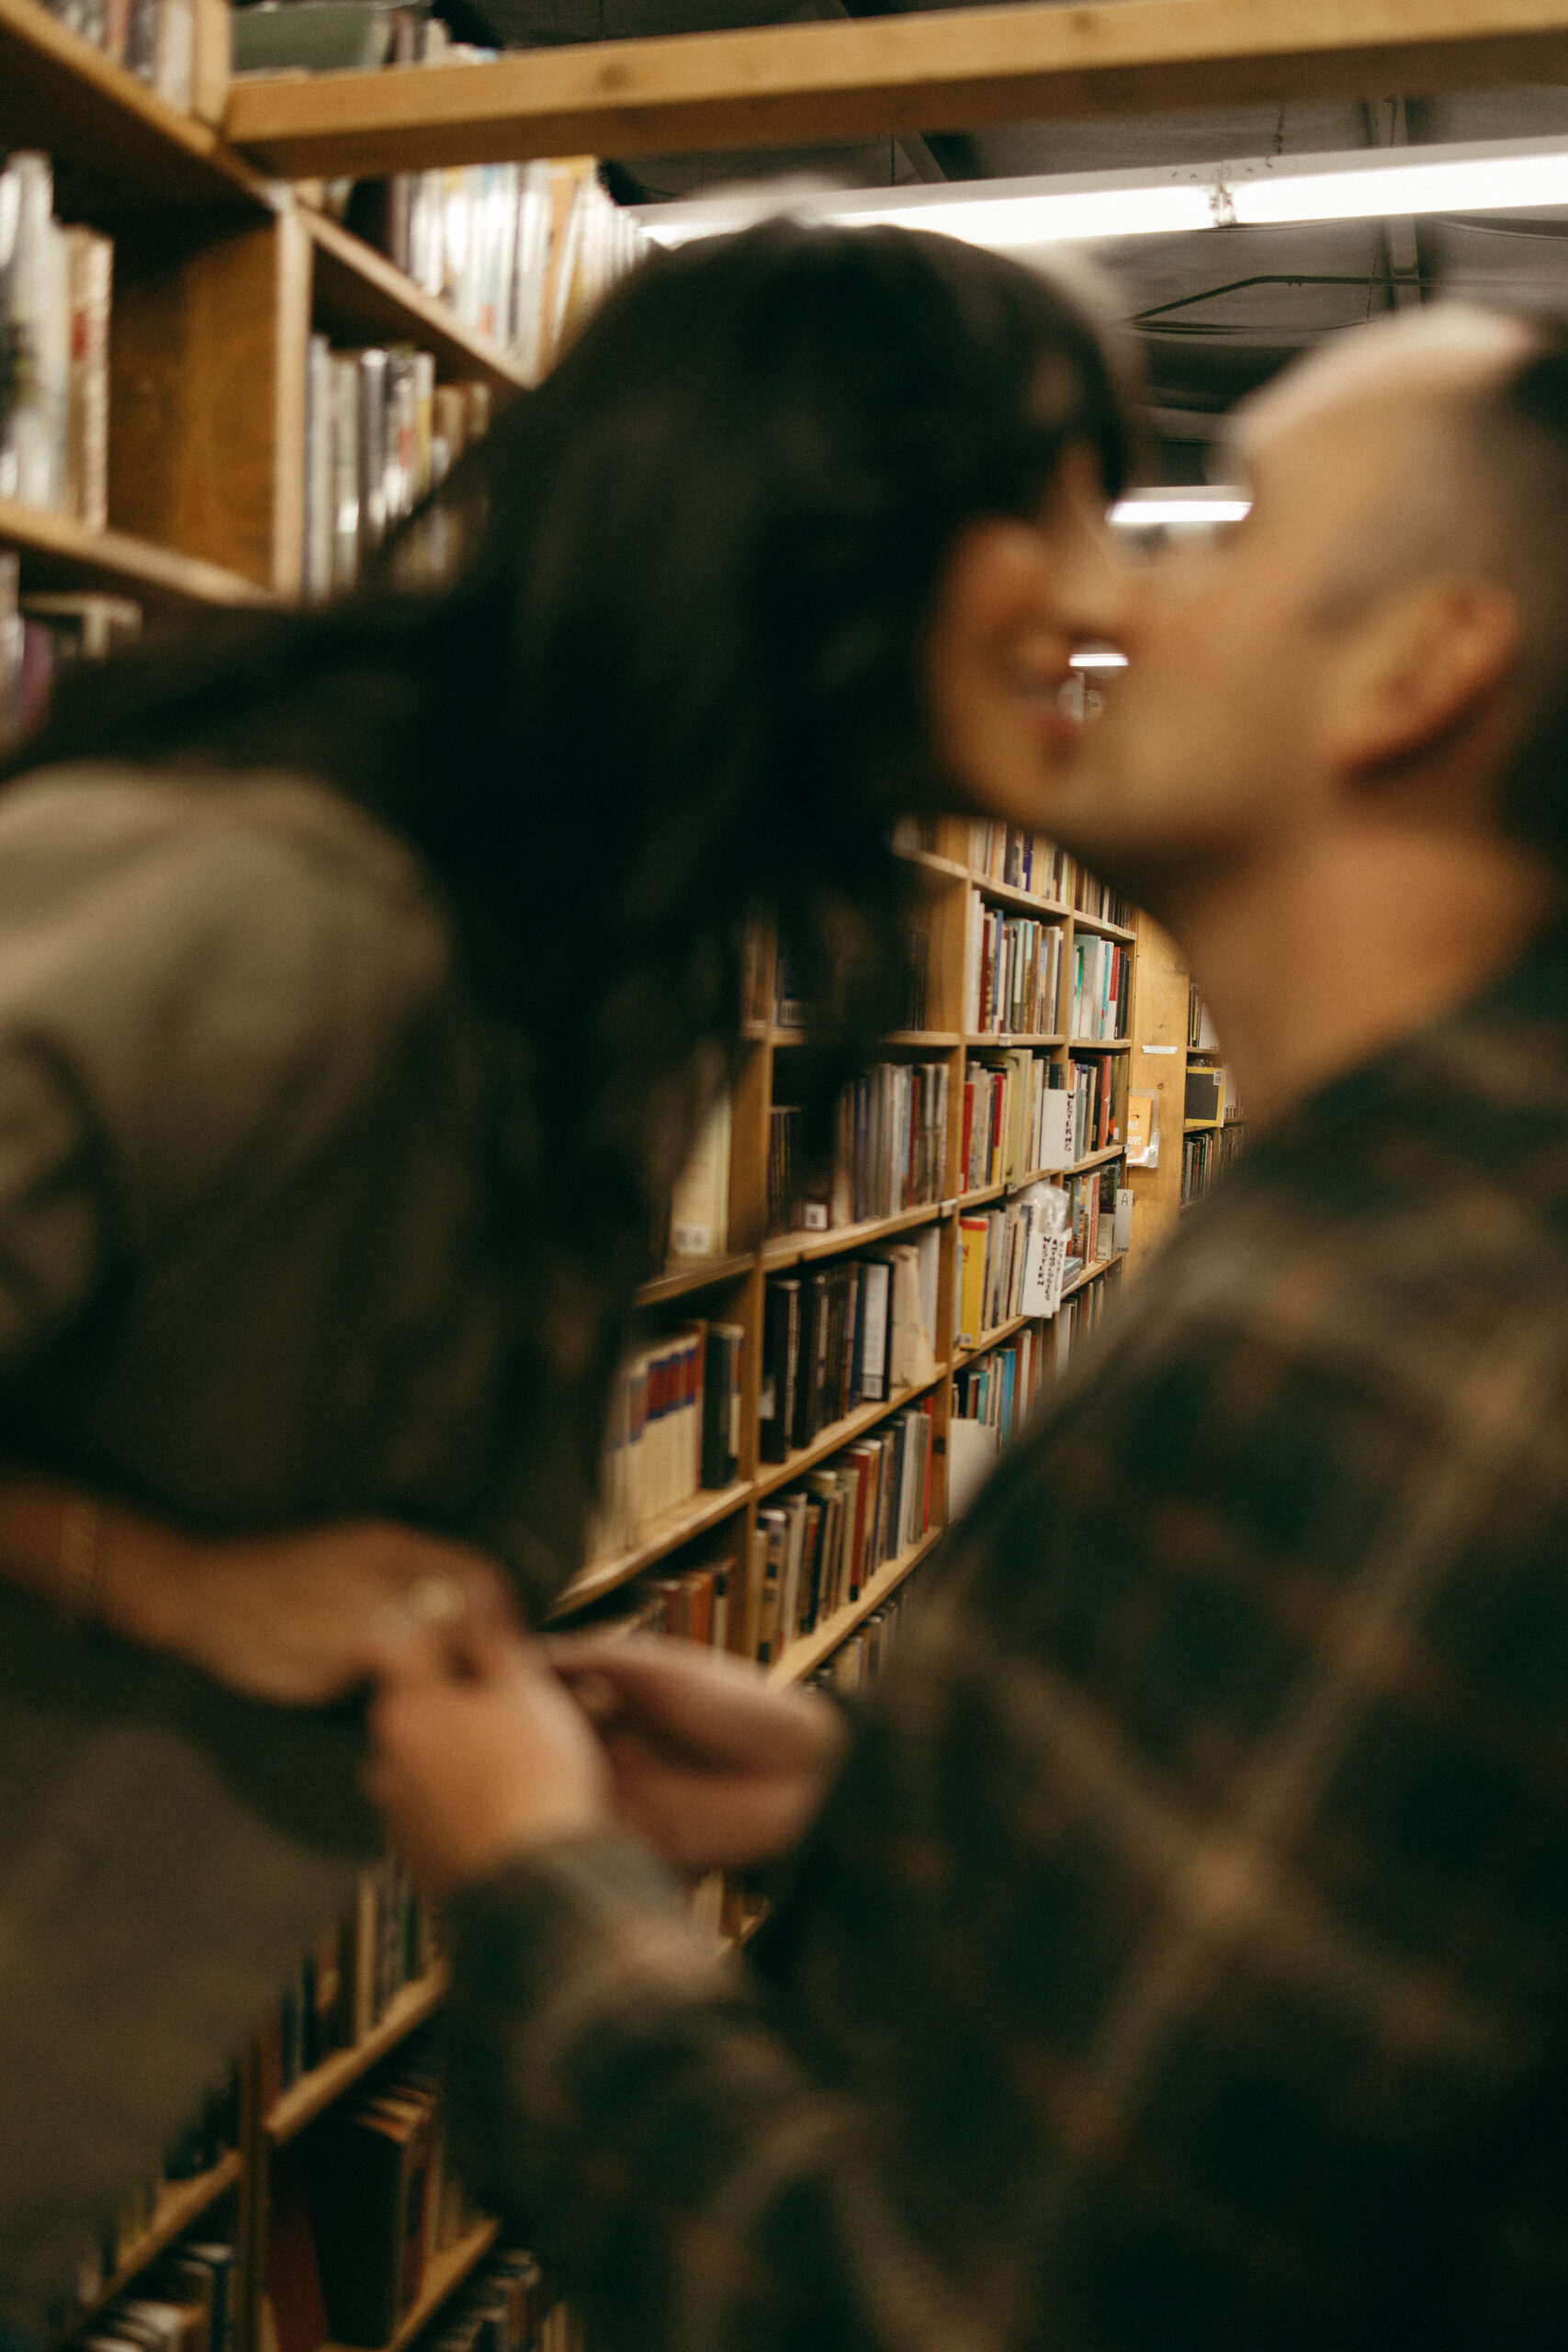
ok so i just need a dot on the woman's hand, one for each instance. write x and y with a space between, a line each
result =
299 1618
473 1770
713 1768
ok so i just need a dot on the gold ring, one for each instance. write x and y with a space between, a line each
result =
436 1600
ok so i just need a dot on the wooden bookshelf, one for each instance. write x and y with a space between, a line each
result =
59 553
370 301
180 2206
315 2092
665 1533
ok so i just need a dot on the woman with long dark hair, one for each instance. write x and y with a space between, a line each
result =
363 978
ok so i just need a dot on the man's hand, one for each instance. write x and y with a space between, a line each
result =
473 1769
714 1769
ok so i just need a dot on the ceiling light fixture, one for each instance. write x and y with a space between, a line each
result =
1143 510
1504 175
1098 657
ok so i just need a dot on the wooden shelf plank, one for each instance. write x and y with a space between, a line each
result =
58 552
360 293
1100 1045
803 1657
937 1039
665 1533
682 1275
772 1476
1055 910
316 2091
179 2204
989 1040
1107 930
799 1249
444 2274
116 147
930 71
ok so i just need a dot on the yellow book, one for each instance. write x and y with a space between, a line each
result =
972 1235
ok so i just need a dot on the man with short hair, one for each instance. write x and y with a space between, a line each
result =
1177 1958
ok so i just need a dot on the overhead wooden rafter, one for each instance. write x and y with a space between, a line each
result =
949 70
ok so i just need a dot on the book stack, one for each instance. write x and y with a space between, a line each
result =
817 1547
1099 1083
380 433
1016 1120
54 351
348 1979
674 1428
154 39
889 1144
1022 861
376 2201
850 1333
41 636
185 2303
1101 903
691 1605
1201 1036
1013 976
1101 976
522 252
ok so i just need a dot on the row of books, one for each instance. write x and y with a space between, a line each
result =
1082 1313
1097 900
1013 974
1017 1114
1102 985
370 2193
1098 1084
505 2307
41 636
674 1428
522 252
889 1151
1023 861
998 1389
154 39
1095 1202
862 1657
55 292
817 1547
994 1264
186 2302
1201 1036
1205 1159
347 1981
850 1333
380 433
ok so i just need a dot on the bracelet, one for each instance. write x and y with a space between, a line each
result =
81 1558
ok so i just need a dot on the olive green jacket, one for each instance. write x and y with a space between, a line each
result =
270 1252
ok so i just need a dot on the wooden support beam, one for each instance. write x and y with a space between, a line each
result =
948 70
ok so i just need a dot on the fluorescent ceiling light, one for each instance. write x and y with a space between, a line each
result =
1099 656
1144 508
1508 175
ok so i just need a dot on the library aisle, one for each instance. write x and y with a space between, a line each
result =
244 378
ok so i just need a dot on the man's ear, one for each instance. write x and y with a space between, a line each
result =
1417 665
